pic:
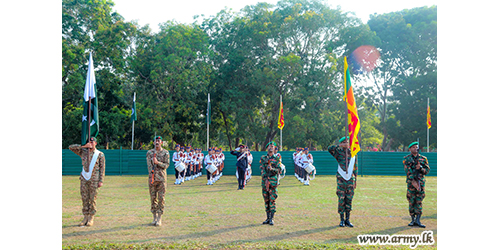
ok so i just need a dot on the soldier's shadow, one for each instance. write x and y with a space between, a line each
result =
288 234
195 235
83 233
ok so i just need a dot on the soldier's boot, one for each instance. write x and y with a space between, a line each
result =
347 222
342 224
90 222
155 219
158 220
417 221
271 217
268 217
84 221
412 223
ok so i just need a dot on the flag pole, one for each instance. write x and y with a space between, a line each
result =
427 125
281 130
133 123
208 126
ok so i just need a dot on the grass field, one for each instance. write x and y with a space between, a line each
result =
207 217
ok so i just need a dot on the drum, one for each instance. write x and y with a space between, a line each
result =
180 166
283 171
310 168
211 168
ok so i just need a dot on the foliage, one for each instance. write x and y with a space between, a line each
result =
246 60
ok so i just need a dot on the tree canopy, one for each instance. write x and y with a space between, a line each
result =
246 60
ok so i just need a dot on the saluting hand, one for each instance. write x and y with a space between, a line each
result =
155 161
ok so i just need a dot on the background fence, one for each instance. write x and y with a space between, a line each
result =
133 162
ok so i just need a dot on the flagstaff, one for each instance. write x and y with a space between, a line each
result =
134 117
281 130
428 122
208 122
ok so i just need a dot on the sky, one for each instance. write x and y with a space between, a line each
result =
153 12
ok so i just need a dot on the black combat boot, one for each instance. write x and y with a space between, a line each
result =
268 218
412 223
417 221
271 222
342 220
347 222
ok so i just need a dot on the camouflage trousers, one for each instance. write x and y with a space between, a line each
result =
345 192
270 195
157 192
415 199
88 191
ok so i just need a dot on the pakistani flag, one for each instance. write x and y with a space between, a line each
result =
89 98
134 113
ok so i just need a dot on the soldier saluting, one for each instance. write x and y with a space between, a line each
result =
347 172
416 167
94 165
158 161
269 165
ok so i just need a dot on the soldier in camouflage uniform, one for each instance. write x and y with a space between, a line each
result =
345 187
158 161
90 180
416 167
270 171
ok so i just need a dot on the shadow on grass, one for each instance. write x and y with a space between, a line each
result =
115 229
192 236
287 235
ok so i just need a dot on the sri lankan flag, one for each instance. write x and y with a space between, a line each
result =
428 117
352 111
281 119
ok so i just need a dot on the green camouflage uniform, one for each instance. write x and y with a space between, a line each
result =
345 189
270 195
88 188
158 187
414 196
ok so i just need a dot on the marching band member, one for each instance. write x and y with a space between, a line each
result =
222 158
209 160
306 160
248 172
241 164
189 163
176 158
294 157
200 162
298 159
182 174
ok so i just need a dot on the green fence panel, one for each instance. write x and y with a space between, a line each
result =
133 162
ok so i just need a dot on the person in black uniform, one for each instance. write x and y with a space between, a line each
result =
241 164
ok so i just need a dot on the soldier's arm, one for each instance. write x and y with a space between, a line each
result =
333 150
102 167
424 166
148 161
164 162
407 166
76 148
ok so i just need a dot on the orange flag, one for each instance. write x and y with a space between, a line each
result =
352 118
428 116
281 119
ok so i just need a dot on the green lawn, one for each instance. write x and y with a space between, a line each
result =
219 216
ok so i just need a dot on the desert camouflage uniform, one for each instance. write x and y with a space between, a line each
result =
158 186
414 196
270 195
88 189
345 189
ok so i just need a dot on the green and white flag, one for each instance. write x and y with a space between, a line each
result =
134 112
89 99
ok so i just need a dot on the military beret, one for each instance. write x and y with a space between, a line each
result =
271 142
306 148
342 139
158 137
93 139
413 144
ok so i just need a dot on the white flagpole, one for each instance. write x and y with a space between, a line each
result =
281 130
427 125
133 122
208 126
